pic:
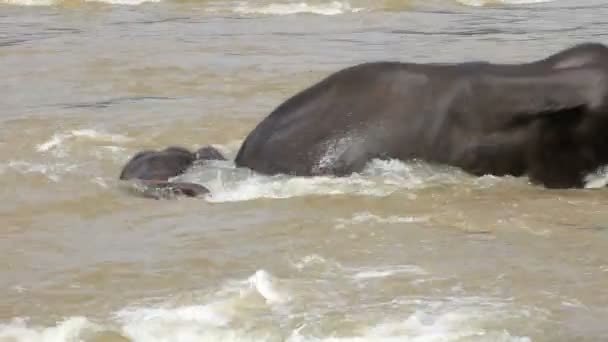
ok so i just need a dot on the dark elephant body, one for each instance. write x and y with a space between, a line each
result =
153 170
547 119
158 165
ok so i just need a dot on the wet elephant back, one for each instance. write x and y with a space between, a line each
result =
337 125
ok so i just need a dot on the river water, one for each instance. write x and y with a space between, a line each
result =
401 252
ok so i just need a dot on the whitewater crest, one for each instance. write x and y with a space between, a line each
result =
29 2
71 2
278 8
480 3
222 317
63 153
230 319
69 153
380 178
288 8
265 307
367 217
597 179
70 329
57 142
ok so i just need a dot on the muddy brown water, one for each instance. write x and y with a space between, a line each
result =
402 252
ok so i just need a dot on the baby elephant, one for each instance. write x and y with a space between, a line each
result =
153 169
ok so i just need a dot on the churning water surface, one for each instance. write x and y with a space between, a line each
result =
400 252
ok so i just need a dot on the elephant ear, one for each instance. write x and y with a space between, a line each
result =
548 93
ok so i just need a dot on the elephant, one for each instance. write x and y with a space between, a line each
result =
153 170
547 119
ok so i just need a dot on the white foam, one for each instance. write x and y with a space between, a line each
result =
53 171
457 325
330 8
380 178
335 149
228 184
99 136
29 2
90 134
597 179
224 318
70 329
169 322
366 216
221 319
56 2
124 2
387 271
201 314
358 273
190 323
19 288
256 187
56 140
58 158
442 319
308 261
266 285
479 3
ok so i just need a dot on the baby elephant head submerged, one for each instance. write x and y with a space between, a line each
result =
153 169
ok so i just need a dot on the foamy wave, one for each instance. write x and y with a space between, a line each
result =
124 2
357 273
161 324
223 319
52 171
228 184
597 179
170 325
387 271
380 178
60 153
309 261
59 2
479 3
57 141
29 2
363 217
266 285
461 319
331 8
232 314
277 8
450 327
71 329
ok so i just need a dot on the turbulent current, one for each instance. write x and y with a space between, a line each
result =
399 252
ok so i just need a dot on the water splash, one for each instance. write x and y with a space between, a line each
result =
70 329
329 8
57 142
480 3
364 217
380 178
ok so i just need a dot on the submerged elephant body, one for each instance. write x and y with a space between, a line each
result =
547 119
154 169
